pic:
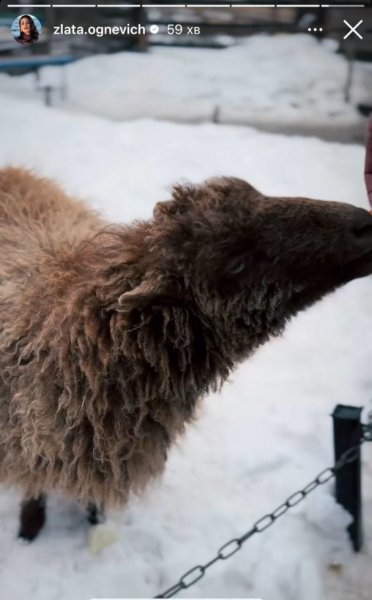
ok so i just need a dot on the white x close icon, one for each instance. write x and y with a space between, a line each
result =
353 29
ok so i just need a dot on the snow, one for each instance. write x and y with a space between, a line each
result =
265 436
250 83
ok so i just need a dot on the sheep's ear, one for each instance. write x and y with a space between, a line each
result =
141 295
183 196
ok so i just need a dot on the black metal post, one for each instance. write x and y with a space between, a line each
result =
347 431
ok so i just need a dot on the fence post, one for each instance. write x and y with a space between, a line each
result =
347 430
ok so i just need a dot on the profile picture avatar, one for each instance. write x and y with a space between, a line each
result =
26 29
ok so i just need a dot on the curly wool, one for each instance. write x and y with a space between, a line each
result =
110 335
88 402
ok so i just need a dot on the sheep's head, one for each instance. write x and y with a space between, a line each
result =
247 262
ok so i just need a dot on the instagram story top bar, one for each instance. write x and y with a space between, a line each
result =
199 4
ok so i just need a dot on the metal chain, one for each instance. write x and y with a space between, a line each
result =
193 575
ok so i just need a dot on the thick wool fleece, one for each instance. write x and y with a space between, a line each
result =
110 335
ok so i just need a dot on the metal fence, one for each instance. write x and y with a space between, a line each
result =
349 433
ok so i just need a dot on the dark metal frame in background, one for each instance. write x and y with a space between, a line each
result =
347 430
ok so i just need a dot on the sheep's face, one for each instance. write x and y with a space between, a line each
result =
247 261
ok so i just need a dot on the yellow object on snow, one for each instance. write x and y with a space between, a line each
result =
101 537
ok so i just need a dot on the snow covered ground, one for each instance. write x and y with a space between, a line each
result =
287 83
266 435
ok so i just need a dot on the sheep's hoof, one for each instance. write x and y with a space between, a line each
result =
95 515
32 518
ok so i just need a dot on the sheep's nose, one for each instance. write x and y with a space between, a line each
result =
362 224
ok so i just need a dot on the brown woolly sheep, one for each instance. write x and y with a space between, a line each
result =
110 335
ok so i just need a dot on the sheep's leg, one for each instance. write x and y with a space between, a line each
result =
32 517
95 514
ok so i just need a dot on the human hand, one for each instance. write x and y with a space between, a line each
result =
368 162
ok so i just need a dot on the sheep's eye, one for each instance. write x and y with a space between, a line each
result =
236 267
